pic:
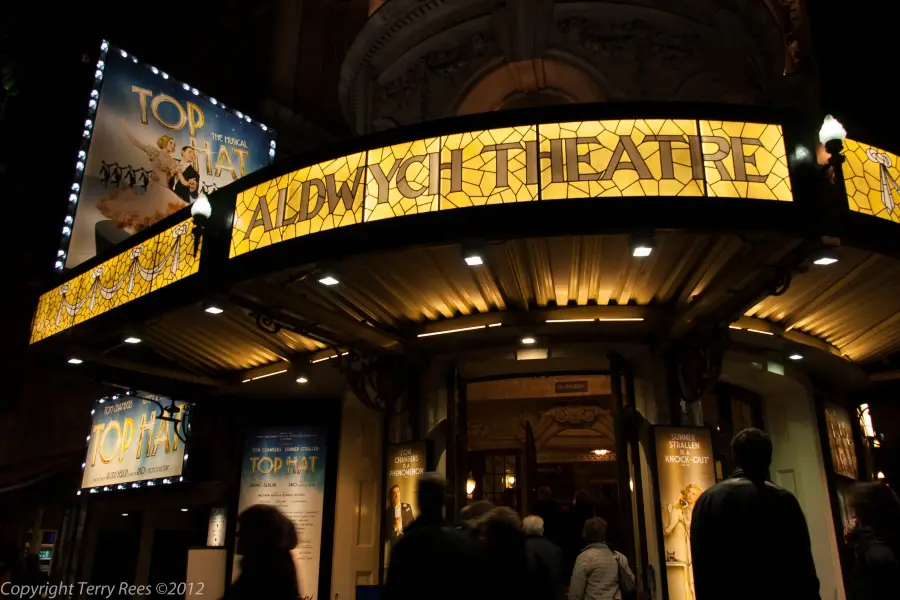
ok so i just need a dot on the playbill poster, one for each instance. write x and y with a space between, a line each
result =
285 467
684 459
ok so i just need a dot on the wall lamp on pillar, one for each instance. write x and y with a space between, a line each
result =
470 485
201 210
832 135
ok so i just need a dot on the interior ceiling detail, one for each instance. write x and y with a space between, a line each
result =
853 304
383 301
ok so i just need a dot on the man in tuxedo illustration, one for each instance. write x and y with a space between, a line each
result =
189 192
397 515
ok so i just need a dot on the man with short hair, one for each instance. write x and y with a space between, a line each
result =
749 537
398 516
191 191
544 557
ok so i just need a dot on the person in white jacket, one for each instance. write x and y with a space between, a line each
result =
596 573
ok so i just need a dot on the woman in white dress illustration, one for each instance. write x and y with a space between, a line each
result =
133 212
678 533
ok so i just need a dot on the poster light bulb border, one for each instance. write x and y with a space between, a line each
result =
81 154
129 484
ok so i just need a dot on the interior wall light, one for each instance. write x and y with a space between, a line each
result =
75 361
528 340
470 485
329 280
302 380
132 340
796 357
474 260
213 310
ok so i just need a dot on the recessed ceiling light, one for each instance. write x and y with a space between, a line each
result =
796 357
824 261
302 380
132 340
641 251
473 260
328 280
75 361
214 310
528 340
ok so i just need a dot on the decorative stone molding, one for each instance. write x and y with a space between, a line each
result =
419 60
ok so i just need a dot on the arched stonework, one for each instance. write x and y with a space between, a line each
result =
419 60
544 81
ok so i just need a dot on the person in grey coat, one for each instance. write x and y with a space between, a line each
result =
596 573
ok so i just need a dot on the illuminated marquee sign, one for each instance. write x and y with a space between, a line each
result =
872 179
555 161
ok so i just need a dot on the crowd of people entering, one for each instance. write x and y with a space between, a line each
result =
491 553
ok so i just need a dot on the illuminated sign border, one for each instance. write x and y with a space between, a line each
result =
872 180
149 482
90 117
548 161
138 270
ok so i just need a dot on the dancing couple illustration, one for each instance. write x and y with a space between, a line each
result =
173 184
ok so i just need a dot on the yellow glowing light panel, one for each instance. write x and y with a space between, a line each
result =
551 161
872 178
144 268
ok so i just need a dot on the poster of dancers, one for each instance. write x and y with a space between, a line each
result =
156 145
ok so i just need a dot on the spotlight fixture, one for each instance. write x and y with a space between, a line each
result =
796 357
75 361
641 245
302 380
474 260
528 340
329 280
132 340
214 310
825 260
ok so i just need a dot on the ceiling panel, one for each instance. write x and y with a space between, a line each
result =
230 341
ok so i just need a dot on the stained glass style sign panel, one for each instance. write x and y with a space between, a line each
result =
548 161
144 268
872 178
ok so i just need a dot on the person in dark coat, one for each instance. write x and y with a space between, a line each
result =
749 538
512 572
267 567
875 541
432 560
471 515
548 510
545 555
